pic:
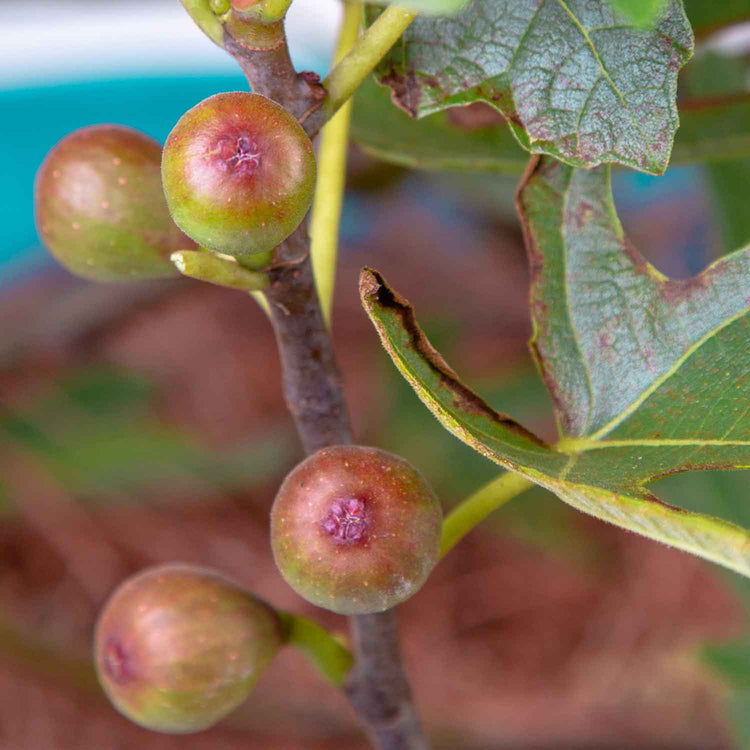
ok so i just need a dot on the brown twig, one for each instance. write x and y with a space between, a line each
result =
271 73
312 384
378 688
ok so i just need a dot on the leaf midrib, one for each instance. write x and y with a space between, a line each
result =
606 74
658 382
580 445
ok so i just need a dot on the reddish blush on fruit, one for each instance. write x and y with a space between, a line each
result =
178 647
100 209
355 529
238 173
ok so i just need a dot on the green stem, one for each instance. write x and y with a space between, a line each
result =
326 653
370 49
329 189
267 11
217 269
206 20
475 508
259 297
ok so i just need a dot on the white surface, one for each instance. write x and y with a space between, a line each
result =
66 40
734 40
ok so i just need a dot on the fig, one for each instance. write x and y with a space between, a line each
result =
355 529
100 209
238 173
178 647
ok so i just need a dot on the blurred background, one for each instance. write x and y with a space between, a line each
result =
145 423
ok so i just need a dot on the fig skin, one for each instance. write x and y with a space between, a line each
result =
178 647
100 209
355 530
238 173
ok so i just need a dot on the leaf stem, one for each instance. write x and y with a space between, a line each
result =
206 20
475 508
330 657
218 269
371 48
262 303
329 190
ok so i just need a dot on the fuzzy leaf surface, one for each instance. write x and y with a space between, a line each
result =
650 376
574 78
623 349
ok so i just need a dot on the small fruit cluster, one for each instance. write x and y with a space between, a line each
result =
237 176
353 529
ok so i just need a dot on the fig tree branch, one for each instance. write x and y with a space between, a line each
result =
377 685
378 689
262 52
311 380
270 72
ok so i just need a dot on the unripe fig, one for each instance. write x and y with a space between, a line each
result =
178 647
100 208
355 529
238 173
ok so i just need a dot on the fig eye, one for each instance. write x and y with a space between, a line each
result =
115 661
178 647
240 155
347 521
355 529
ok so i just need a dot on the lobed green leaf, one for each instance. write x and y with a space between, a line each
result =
602 316
574 79
650 376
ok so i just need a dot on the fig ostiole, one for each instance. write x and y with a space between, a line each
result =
178 647
100 208
238 173
355 530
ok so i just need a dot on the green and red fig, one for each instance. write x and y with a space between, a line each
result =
355 529
238 173
100 209
179 647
